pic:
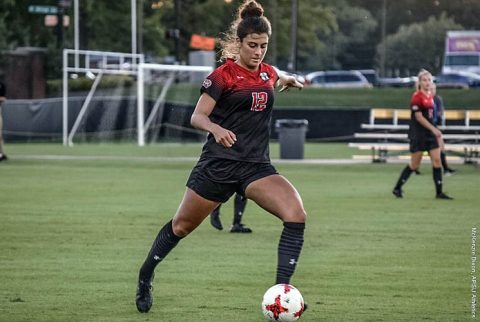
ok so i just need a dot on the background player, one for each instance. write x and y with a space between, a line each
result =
437 120
423 135
239 205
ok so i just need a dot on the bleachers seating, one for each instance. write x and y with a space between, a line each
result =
387 129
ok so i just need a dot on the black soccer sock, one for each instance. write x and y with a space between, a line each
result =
437 179
166 240
216 211
239 207
403 177
289 248
443 158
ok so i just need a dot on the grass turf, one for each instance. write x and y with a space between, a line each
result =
74 233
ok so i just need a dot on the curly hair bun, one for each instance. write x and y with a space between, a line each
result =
251 9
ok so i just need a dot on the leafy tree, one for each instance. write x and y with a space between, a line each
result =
346 48
418 45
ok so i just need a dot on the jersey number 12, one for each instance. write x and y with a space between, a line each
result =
259 101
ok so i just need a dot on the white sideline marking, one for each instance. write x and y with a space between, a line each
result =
176 159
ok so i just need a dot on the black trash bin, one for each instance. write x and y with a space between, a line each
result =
291 136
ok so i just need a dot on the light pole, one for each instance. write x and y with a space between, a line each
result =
292 65
134 25
383 50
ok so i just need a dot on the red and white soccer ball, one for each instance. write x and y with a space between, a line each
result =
282 302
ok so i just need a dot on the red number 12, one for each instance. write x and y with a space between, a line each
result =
259 101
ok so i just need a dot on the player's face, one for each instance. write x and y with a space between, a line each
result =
425 82
252 50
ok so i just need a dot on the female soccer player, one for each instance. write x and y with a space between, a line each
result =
437 120
423 135
235 107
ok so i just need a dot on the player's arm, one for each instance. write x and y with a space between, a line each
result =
426 124
200 120
286 81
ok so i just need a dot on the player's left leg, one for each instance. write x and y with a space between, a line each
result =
278 196
437 173
215 218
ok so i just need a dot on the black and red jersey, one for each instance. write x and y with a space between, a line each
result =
423 103
244 102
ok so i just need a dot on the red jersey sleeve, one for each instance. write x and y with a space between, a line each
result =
416 101
214 84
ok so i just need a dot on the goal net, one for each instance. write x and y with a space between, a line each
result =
126 100
166 97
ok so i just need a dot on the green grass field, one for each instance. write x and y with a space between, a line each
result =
74 232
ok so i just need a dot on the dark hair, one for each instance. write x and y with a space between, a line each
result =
2 89
250 19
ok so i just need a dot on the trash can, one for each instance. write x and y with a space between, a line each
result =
291 136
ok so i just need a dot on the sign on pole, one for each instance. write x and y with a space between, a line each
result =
52 21
46 10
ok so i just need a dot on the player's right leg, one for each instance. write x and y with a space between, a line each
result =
192 211
415 160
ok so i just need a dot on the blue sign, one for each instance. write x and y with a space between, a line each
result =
46 10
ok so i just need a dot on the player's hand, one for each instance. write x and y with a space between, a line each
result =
224 137
436 132
290 81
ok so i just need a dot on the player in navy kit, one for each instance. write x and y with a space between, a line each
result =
239 204
437 120
235 107
423 135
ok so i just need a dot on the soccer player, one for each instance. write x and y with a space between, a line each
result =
437 120
423 135
235 107
239 205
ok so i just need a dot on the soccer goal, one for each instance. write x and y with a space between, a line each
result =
128 100
166 96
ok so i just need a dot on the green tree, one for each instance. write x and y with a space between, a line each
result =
418 45
346 45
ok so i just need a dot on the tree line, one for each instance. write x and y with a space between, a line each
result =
394 36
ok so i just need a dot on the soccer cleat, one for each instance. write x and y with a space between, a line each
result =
397 192
3 157
240 228
144 299
215 220
417 172
449 172
441 195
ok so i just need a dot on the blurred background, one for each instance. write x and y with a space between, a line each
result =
359 46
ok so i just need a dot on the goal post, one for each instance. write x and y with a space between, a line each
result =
128 99
93 64
170 74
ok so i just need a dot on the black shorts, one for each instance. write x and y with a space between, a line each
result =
425 143
219 179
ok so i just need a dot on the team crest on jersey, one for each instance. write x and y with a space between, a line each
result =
264 76
207 83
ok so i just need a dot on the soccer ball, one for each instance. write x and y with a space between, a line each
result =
282 302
